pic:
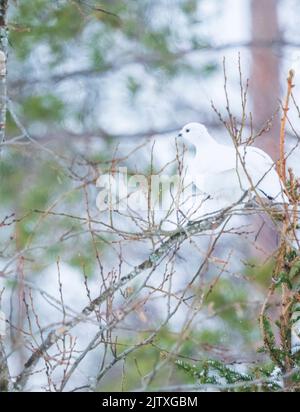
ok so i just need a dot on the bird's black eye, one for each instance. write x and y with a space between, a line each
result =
187 130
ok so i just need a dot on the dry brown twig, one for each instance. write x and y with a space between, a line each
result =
282 159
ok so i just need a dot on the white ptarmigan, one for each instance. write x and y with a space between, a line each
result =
225 173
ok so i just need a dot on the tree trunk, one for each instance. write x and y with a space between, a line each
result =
265 92
265 73
4 373
3 57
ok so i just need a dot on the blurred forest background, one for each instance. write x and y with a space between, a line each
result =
90 85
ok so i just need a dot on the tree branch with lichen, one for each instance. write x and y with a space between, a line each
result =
154 258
